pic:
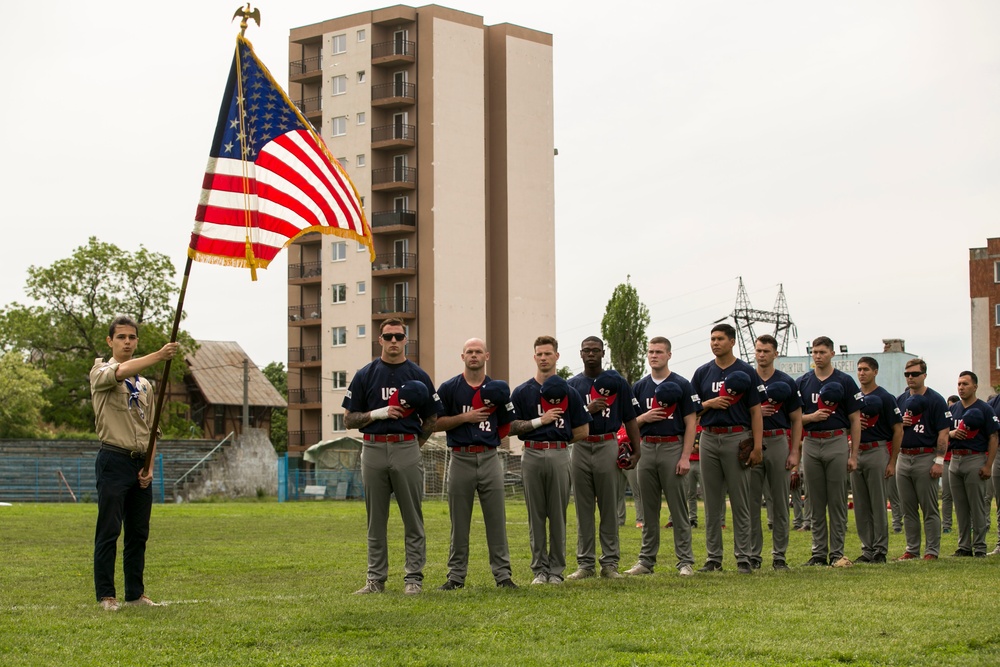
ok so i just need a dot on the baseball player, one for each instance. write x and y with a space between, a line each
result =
831 403
667 411
781 408
926 423
392 402
595 459
973 445
477 415
550 416
881 435
727 388
628 479
995 404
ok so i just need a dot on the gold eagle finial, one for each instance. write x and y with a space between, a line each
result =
247 13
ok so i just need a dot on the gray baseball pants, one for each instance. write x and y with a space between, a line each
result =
969 493
658 477
770 474
692 481
721 469
595 476
546 478
469 473
630 479
389 468
947 505
892 495
868 484
918 494
825 464
800 503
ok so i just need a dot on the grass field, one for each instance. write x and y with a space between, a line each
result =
262 583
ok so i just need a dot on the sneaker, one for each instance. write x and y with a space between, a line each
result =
540 579
814 561
371 586
110 604
743 568
142 601
995 552
780 566
878 559
638 569
506 583
638 524
611 572
412 588
907 556
555 579
582 573
711 566
962 553
930 557
685 571
451 585
843 561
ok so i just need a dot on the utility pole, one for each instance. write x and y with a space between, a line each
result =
246 394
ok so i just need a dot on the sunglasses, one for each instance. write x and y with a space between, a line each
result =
913 374
393 336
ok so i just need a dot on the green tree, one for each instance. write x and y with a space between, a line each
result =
66 328
276 373
624 330
565 373
22 397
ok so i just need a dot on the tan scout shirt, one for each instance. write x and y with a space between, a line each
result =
123 413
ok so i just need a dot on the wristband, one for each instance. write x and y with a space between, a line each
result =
536 423
939 460
381 413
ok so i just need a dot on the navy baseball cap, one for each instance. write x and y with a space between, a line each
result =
973 419
606 387
779 392
495 393
735 384
916 404
412 395
554 393
668 393
871 406
832 392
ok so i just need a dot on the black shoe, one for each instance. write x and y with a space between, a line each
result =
863 559
755 564
743 568
711 566
897 530
694 524
506 583
980 555
770 526
816 560
878 559
451 585
962 553
780 566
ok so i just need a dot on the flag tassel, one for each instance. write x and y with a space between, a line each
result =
251 261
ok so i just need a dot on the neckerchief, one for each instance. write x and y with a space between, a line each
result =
133 394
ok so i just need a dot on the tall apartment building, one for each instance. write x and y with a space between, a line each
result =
984 290
445 125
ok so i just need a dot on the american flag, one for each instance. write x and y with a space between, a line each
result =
270 177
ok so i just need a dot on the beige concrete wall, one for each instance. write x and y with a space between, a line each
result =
982 354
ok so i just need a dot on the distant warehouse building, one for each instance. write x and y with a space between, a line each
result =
891 362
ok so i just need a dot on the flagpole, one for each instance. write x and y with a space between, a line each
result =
164 380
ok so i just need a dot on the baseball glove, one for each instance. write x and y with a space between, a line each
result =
796 481
624 454
745 448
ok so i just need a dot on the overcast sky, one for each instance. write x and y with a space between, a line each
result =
849 150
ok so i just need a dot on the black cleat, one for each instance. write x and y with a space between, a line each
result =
780 566
451 585
744 568
962 553
878 559
506 583
864 559
815 560
711 566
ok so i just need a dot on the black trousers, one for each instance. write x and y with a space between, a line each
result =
120 500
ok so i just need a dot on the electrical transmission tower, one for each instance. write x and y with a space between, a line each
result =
745 317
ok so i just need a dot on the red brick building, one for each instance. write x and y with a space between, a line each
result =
984 290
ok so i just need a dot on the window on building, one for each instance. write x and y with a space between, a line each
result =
342 161
362 118
362 331
339 44
362 35
998 357
996 272
340 126
338 423
360 160
339 251
220 419
340 293
362 76
362 287
997 316
362 247
340 84
339 336
340 379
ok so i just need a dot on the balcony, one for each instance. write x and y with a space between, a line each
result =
393 222
304 396
305 70
310 106
394 178
395 264
395 94
308 313
303 439
394 136
305 272
396 52
310 355
394 306
412 350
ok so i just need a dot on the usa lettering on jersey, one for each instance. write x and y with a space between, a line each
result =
387 393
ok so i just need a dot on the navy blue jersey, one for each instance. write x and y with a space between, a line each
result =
527 405
457 396
923 432
375 383
782 414
621 409
809 388
644 391
707 381
981 440
880 425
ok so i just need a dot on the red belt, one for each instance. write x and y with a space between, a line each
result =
726 429
471 449
822 435
865 446
777 431
545 444
913 451
391 437
654 439
601 438
964 452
